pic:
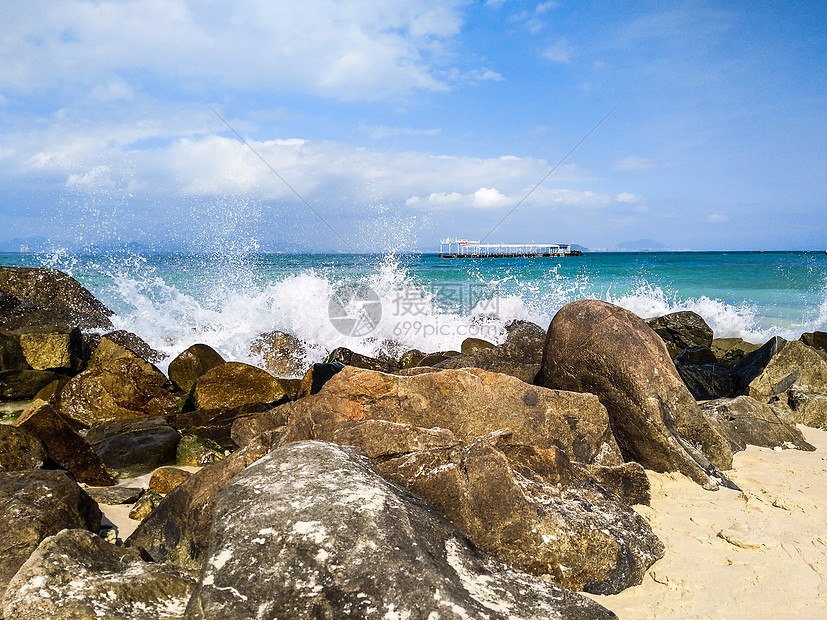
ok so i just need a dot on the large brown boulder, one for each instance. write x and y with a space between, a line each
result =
63 444
335 539
35 504
117 384
48 348
190 364
794 365
48 297
235 384
469 403
136 445
596 347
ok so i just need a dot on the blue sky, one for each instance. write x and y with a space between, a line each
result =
404 122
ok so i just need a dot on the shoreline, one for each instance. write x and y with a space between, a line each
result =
728 552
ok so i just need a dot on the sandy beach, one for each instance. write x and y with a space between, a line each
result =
761 553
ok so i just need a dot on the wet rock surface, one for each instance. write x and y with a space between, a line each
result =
681 330
235 384
190 364
20 449
382 551
134 444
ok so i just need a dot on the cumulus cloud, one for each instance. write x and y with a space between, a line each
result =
318 46
628 198
562 51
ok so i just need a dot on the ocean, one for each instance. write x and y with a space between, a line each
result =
394 302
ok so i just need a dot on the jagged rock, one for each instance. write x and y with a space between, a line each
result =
190 364
753 364
114 496
350 358
795 365
11 354
381 553
117 384
215 424
136 344
680 330
469 403
35 504
76 574
235 384
744 420
817 340
20 449
164 479
596 347
732 349
698 354
51 393
432 359
523 504
410 359
23 384
517 357
63 444
806 408
283 353
519 329
194 451
627 481
316 376
49 297
472 345
134 444
47 348
177 531
704 376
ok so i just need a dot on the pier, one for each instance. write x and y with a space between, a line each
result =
464 248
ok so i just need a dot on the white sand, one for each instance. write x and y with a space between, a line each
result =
757 554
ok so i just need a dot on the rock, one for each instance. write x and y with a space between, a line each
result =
350 358
39 503
698 354
164 479
753 364
469 403
117 384
410 359
235 384
283 354
11 354
20 449
215 424
529 507
705 381
806 408
63 444
793 365
744 420
147 502
519 329
381 553
177 531
472 345
49 297
47 348
596 347
135 445
194 451
136 344
517 357
190 364
432 359
316 376
817 340
680 330
23 384
115 496
51 393
732 349
94 579
627 481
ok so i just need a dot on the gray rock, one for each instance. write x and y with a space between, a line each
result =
136 445
518 329
76 574
278 550
518 357
795 365
680 330
36 504
706 381
753 363
744 420
114 496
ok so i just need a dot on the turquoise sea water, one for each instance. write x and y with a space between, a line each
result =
404 301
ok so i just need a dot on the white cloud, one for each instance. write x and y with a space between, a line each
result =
717 218
115 90
633 164
628 198
326 47
562 51
377 132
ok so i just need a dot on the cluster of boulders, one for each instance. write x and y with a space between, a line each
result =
493 481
